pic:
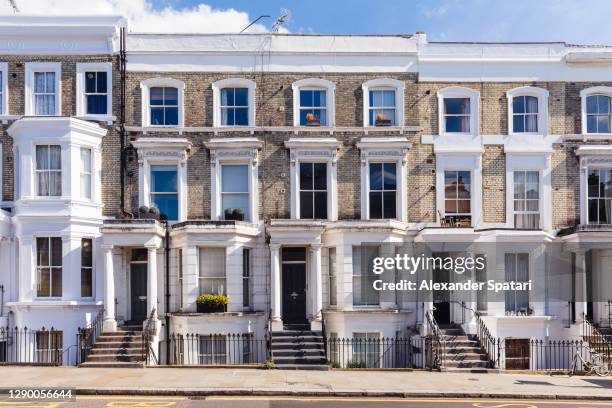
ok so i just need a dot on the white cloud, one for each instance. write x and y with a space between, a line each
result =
143 17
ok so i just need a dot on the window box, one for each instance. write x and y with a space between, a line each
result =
382 122
233 214
210 303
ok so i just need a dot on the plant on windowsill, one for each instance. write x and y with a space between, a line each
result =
235 214
311 120
148 213
210 303
382 120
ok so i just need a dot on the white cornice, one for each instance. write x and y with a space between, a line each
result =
36 125
312 143
164 143
234 143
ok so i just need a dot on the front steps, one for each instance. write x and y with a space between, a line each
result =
122 348
298 349
461 351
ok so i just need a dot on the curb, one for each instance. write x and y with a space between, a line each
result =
346 394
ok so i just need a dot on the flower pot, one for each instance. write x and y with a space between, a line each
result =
383 122
313 122
203 308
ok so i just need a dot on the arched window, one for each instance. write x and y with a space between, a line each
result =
313 102
383 102
458 110
527 110
597 110
162 102
234 102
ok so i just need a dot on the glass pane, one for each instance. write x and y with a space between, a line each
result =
518 104
139 254
390 176
170 96
157 116
593 213
591 124
227 97
42 157
457 124
167 205
85 160
607 176
320 204
56 282
234 178
156 96
603 124
50 82
389 202
450 178
463 206
306 98
457 106
241 116
90 82
518 123
603 104
44 282
531 123
86 282
376 98
531 104
56 251
227 116
235 207
164 179
55 184
306 176
464 177
450 206
171 117
320 176
376 176
306 205
42 251
96 105
101 82
86 185
86 252
318 98
519 185
241 97
388 99
593 183
293 254
376 205
591 104
55 157
39 82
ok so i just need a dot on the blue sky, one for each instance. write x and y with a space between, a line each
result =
573 21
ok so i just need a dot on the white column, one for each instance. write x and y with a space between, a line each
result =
580 284
26 260
233 277
151 279
275 289
191 272
317 290
110 324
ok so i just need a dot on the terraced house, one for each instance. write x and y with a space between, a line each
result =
140 171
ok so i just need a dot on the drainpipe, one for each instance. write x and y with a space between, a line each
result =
122 135
167 290
1 300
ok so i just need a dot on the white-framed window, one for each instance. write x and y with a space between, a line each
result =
213 349
527 110
516 267
162 102
599 196
49 346
212 271
48 170
458 110
596 110
364 293
526 199
87 267
43 90
313 102
382 190
366 349
164 190
246 277
4 110
85 173
313 190
235 192
458 193
383 102
94 90
234 102
48 267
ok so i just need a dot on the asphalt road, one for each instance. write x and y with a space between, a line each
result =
287 402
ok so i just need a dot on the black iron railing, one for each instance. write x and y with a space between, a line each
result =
33 347
597 341
383 352
215 349
86 336
434 346
488 343
148 334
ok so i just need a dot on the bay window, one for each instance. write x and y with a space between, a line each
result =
49 170
85 173
235 192
86 267
527 199
599 199
164 190
457 193
364 293
212 271
313 190
49 267
516 267
382 190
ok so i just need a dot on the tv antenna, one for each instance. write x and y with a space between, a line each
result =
281 20
14 6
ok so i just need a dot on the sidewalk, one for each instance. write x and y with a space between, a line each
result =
222 381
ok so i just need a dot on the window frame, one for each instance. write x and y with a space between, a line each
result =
593 91
525 200
459 92
542 95
36 172
513 293
81 99
152 193
316 84
383 190
456 198
90 268
598 198
368 278
384 84
30 69
146 86
55 353
313 191
248 217
212 278
38 268
233 83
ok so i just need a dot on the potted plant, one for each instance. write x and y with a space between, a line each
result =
311 120
382 120
236 214
210 303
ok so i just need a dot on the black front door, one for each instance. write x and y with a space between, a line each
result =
441 298
294 286
138 286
